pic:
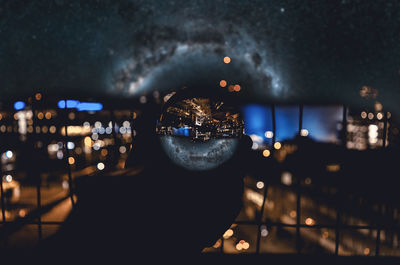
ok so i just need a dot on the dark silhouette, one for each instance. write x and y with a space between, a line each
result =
162 210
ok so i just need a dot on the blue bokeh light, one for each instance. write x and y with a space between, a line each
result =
182 131
257 120
89 106
320 121
69 104
287 122
19 105
80 106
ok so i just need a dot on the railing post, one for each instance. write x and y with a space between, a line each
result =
266 184
67 152
338 198
379 228
298 187
35 171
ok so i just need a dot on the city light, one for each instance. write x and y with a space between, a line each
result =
71 160
100 166
242 245
8 178
22 213
143 99
363 115
368 92
52 148
304 132
260 185
246 245
277 145
88 142
95 136
367 251
60 154
237 88
122 149
19 105
222 83
373 133
9 154
257 141
75 130
370 115
264 231
78 150
70 145
286 178
228 233
378 106
166 98
266 153
239 247
309 221
333 167
96 146
29 114
126 124
65 185
269 134
217 244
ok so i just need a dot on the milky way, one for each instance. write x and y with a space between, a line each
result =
198 155
288 51
196 58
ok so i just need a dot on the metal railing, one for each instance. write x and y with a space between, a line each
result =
34 217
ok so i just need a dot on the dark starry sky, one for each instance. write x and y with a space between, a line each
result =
301 51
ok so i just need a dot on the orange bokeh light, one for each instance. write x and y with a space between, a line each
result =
222 83
227 59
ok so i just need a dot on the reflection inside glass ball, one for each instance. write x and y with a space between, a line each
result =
199 133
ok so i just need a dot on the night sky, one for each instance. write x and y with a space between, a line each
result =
284 51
